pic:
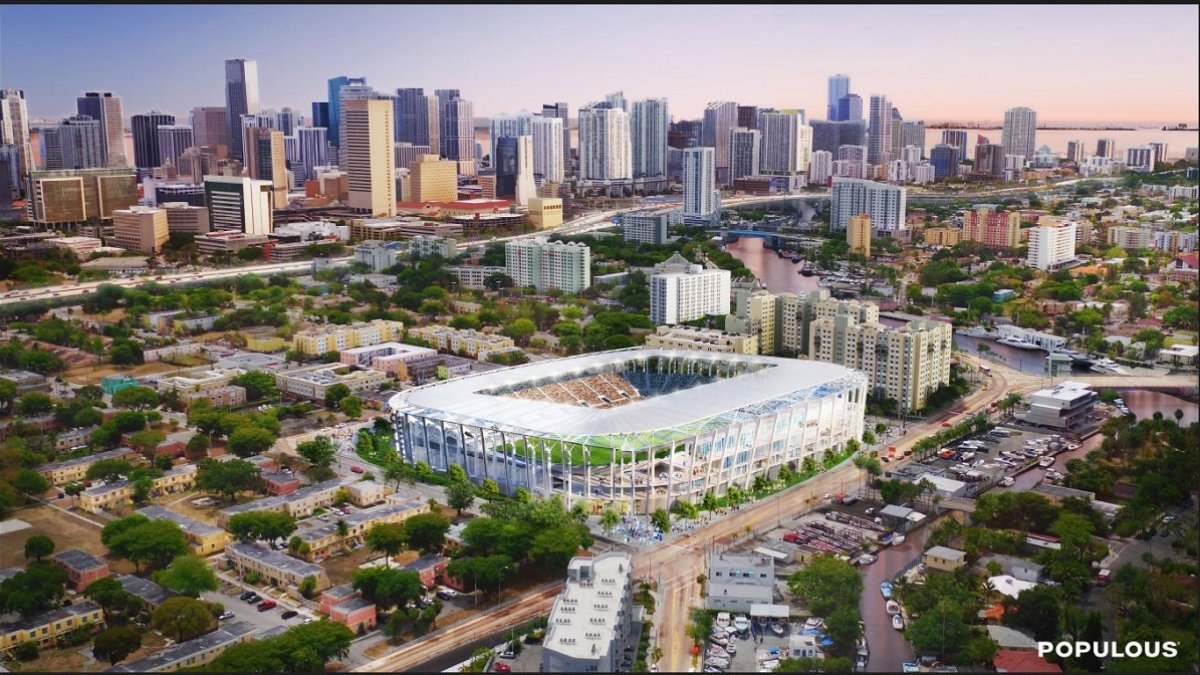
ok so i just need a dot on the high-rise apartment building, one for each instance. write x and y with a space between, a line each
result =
1076 151
945 159
839 87
992 228
744 147
334 122
820 169
525 188
885 204
851 162
648 226
829 136
313 146
417 118
989 159
241 98
1160 151
266 160
562 112
106 107
434 179
682 291
786 143
14 131
80 144
959 139
146 153
510 126
648 124
140 228
71 197
879 141
605 151
1140 158
368 128
617 100
1020 132
548 148
591 623
544 264
719 118
913 134
701 200
858 235
173 140
850 109
457 125
748 116
210 126
1051 244
238 204
1106 147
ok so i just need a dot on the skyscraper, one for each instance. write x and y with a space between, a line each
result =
957 138
145 138
879 141
417 118
786 143
333 124
850 109
370 158
547 148
504 162
617 100
241 98
604 143
287 121
884 203
719 118
945 159
1020 132
457 125
748 116
839 87
989 159
106 107
210 127
648 137
238 204
507 125
172 140
744 147
701 200
320 111
14 131
314 150
266 159
562 112
913 133
80 144
1076 151
526 188
1106 147
829 136
820 169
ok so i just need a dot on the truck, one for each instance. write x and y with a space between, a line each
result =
1103 577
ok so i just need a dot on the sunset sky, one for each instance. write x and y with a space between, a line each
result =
1088 63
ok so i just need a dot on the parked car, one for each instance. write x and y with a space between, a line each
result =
356 469
245 595
501 667
254 598
266 604
289 614
226 615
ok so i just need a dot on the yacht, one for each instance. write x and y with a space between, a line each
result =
1014 341
1106 365
976 332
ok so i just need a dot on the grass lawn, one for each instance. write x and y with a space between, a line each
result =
66 530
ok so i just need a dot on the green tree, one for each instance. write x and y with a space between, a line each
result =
320 451
335 394
137 538
38 546
482 572
30 483
113 598
36 589
609 519
388 587
491 487
460 495
164 462
34 403
661 519
520 331
258 385
227 478
247 441
553 548
266 525
308 586
197 446
137 398
146 441
456 474
109 469
386 538
343 531
426 531
182 618
115 643
188 575
1037 610
941 630
351 407
826 583
842 627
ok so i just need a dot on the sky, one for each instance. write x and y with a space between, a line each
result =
1072 64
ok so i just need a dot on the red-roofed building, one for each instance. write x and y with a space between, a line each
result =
1184 267
1008 661
422 209
470 207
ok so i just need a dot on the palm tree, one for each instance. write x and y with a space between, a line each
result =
343 530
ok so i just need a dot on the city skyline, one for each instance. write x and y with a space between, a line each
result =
1155 84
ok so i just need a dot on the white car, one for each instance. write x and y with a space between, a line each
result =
1007 481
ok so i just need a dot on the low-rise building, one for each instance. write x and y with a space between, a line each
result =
1012 661
298 504
72 439
120 493
942 236
545 212
648 226
1067 405
25 381
944 558
424 246
701 339
277 568
475 277
322 539
149 592
75 470
735 582
431 567
191 654
80 247
378 254
591 621
336 595
111 384
469 342
391 358
367 493
355 613
82 568
313 381
227 242
48 626
279 483
1018 568
229 396
174 351
334 338
202 538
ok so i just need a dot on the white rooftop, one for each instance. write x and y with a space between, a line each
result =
589 605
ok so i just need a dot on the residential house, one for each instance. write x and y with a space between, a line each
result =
366 493
279 483
195 652
276 568
324 538
46 627
1011 639
944 558
75 470
202 538
431 567
151 593
1011 661
82 568
300 503
356 613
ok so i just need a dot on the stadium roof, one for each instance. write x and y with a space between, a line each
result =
686 412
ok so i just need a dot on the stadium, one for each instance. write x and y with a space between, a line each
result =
637 429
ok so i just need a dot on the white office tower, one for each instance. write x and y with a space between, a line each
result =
1051 243
313 146
345 94
507 126
367 127
897 171
547 148
617 100
786 143
719 118
1020 132
884 203
911 155
544 264
1140 158
14 131
648 135
701 201
684 291
923 173
526 187
604 144
237 204
879 139
855 161
744 147
820 169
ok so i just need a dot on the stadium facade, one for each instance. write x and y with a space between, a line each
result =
637 429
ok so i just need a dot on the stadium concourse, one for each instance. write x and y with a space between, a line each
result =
637 429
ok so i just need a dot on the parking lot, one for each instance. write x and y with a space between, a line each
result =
759 650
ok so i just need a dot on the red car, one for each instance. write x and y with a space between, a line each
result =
266 604
356 469
501 668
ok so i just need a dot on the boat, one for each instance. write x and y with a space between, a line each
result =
723 619
976 332
1045 462
886 589
1007 481
1106 365
897 622
796 258
714 650
768 666
717 662
718 640
741 623
814 622
778 629
892 607
1013 341
806 272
